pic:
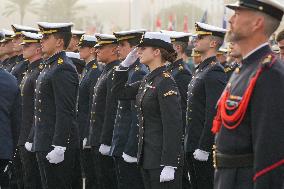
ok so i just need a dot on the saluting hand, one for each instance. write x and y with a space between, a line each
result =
130 59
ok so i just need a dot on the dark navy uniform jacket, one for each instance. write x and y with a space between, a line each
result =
20 69
28 86
204 90
159 115
55 105
13 62
104 108
261 132
126 124
10 113
182 75
89 78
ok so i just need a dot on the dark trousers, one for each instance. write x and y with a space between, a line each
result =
4 178
77 180
151 179
201 172
105 170
16 177
185 177
31 175
234 178
89 169
56 176
128 174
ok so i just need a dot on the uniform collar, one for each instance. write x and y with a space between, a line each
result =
206 62
54 57
112 64
90 64
156 72
34 64
256 49
257 54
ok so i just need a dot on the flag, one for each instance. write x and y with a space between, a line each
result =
170 24
185 24
225 19
158 23
204 17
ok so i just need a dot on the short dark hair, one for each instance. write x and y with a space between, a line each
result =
133 42
280 36
65 36
183 45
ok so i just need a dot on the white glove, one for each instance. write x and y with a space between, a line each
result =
167 174
56 155
201 155
84 143
28 146
130 59
104 149
128 158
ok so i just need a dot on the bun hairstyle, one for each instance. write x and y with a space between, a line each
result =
168 56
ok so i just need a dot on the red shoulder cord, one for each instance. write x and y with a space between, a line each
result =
233 121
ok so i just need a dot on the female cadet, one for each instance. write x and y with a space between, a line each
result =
159 112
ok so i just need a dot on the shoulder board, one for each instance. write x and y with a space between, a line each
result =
60 61
94 66
166 74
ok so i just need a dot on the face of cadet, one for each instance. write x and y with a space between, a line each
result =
85 52
241 25
281 46
202 43
17 40
48 43
29 50
105 52
146 55
8 47
73 43
123 49
235 51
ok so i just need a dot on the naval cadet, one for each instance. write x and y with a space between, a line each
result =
88 80
124 141
249 121
7 48
204 91
103 111
56 132
159 112
32 52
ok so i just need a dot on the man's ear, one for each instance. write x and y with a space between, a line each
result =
213 44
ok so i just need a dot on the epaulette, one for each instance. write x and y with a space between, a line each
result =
166 74
170 93
60 61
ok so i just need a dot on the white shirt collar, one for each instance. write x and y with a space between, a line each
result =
254 50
